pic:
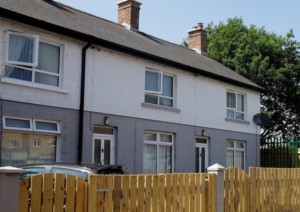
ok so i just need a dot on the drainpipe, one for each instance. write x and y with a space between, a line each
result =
81 107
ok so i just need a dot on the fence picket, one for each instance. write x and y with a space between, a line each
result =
24 195
70 193
141 192
133 193
48 192
36 192
80 195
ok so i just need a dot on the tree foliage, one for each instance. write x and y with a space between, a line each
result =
269 60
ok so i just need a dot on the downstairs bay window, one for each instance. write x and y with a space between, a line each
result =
158 152
29 59
28 141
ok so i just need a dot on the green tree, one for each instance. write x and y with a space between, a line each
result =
270 61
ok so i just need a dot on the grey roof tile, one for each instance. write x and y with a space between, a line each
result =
60 15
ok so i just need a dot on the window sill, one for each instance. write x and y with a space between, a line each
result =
33 85
237 121
172 109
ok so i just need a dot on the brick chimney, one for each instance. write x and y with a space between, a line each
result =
197 39
129 13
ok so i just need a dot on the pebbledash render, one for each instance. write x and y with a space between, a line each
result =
78 88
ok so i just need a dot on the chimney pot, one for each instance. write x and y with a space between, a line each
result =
200 25
129 13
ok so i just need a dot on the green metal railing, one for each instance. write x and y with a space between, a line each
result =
280 152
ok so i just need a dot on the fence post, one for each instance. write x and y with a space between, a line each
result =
9 188
219 171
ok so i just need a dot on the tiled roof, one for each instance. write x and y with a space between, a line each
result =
58 17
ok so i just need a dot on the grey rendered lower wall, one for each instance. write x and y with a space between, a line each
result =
129 142
67 140
129 137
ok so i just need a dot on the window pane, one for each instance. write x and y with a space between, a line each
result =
165 159
149 136
150 165
153 81
239 159
46 126
239 116
240 102
230 158
25 151
165 102
46 79
106 152
201 140
231 100
166 138
21 48
230 144
167 86
17 123
240 144
97 148
197 161
230 113
151 99
18 73
49 57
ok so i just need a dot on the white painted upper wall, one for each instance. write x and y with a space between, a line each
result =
117 86
66 96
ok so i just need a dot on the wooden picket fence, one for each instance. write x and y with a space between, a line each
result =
153 193
263 189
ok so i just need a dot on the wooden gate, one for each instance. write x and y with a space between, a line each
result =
236 186
156 193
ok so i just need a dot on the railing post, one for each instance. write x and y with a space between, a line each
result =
9 188
219 171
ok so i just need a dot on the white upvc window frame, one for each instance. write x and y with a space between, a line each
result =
32 123
36 49
33 67
46 121
158 143
235 149
235 109
159 93
17 128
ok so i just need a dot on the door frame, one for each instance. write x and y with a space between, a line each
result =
206 147
112 145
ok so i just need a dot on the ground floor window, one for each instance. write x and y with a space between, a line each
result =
236 153
28 141
158 152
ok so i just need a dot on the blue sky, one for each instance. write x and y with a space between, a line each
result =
172 19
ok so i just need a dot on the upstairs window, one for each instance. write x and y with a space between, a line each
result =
235 106
31 60
159 88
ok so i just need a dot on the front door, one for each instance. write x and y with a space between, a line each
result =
201 155
103 149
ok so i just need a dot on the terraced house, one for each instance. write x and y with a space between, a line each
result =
75 87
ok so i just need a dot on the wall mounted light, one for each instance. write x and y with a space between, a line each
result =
203 133
106 120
